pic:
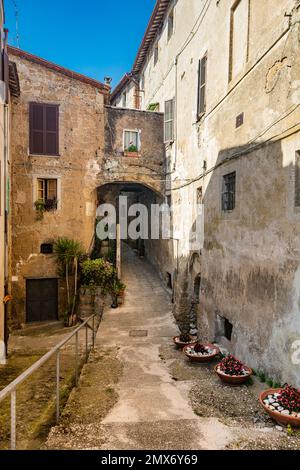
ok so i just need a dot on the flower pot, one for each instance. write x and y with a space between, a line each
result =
204 358
234 379
281 419
131 154
180 344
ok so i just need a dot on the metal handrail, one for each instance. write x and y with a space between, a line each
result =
11 388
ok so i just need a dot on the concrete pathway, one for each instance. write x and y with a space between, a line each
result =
153 410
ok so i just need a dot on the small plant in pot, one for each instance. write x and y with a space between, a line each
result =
182 340
233 371
201 352
283 405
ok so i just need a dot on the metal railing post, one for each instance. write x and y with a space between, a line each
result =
93 331
76 359
86 343
57 386
13 417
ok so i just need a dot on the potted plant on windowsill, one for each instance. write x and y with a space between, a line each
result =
40 208
198 352
131 151
283 405
232 371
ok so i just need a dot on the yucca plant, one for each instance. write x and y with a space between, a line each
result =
67 253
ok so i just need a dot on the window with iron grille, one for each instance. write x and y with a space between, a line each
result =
47 193
297 179
228 193
170 24
169 120
201 105
47 248
44 129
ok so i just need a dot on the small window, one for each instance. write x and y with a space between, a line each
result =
131 141
44 129
297 179
47 249
170 24
228 193
156 53
201 105
169 120
199 196
124 100
228 328
169 200
47 193
169 281
239 120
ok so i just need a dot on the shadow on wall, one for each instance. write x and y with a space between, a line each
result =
250 262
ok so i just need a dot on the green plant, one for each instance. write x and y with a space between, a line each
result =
117 287
261 376
132 148
270 382
67 253
40 205
98 272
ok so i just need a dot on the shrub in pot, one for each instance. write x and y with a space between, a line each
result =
233 371
182 340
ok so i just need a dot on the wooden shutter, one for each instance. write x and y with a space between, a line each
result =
36 119
51 129
44 128
201 107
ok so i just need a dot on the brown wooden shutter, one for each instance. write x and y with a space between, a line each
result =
36 120
51 130
43 129
201 107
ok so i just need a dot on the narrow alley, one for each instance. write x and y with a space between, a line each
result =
148 385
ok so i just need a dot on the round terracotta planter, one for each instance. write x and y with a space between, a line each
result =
202 358
283 420
180 344
234 379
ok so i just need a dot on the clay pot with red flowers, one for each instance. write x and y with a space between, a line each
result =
232 371
283 405
198 352
182 340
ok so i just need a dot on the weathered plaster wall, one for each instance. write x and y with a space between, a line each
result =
149 167
250 261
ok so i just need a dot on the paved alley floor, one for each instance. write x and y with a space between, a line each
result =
139 392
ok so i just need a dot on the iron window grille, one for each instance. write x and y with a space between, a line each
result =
229 191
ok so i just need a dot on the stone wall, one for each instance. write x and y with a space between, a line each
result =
81 136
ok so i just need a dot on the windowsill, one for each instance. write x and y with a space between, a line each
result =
131 154
33 155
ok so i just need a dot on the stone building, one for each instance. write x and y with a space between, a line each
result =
8 86
228 83
67 143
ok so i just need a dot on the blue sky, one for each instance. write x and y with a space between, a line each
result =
93 37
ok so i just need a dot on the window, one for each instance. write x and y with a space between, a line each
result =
228 194
44 127
131 141
169 120
47 192
297 179
228 328
156 53
201 105
124 100
239 33
199 196
170 24
47 249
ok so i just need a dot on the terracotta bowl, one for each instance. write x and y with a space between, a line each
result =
276 415
202 358
234 379
180 344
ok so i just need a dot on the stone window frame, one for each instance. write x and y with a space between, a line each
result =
38 176
139 139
